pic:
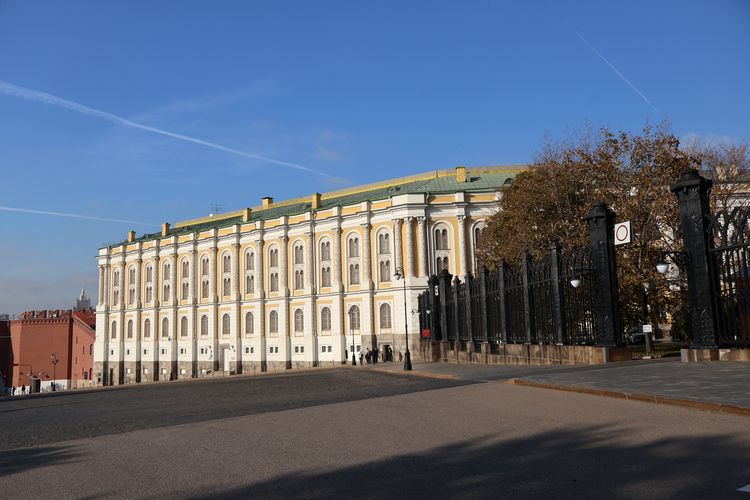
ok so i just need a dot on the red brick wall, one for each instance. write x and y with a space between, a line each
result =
34 341
5 353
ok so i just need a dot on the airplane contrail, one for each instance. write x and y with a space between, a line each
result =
52 100
74 216
612 67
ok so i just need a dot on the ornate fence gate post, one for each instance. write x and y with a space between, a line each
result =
444 288
602 244
558 298
703 284
528 297
468 281
456 316
504 317
485 317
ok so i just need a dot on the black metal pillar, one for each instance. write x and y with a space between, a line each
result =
558 297
528 297
601 222
504 316
692 192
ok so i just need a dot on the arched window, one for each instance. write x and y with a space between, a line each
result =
185 279
149 283
273 269
131 285
325 263
204 277
226 289
167 281
385 316
130 329
184 327
354 274
352 247
204 326
299 320
384 246
354 317
113 332
442 249
273 322
325 251
225 325
385 270
165 328
441 263
249 272
116 287
299 266
441 238
147 329
249 326
325 319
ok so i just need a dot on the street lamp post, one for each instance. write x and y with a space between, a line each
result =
351 334
54 360
399 275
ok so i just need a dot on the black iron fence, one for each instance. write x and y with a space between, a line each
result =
546 301
717 252
564 298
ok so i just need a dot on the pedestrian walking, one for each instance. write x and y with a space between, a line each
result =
23 389
368 356
361 356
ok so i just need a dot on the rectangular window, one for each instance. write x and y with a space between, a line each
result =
145 370
182 350
145 351
247 350
252 350
163 351
330 348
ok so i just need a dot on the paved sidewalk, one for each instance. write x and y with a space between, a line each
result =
717 383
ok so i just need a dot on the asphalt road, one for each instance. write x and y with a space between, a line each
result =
315 436
49 418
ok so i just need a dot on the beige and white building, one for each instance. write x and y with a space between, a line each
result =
290 284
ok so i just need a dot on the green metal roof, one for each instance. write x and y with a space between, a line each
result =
478 180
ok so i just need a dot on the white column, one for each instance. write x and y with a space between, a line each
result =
138 305
337 259
462 245
260 313
422 234
409 248
235 271
212 284
397 253
310 267
366 255
284 265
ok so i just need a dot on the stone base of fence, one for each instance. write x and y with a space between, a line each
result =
698 355
523 354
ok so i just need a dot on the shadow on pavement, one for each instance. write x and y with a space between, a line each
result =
13 461
591 462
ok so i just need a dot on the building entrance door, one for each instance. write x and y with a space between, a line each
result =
225 358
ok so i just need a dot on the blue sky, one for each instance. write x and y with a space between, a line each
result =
354 91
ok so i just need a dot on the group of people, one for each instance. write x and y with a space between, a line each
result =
373 355
11 391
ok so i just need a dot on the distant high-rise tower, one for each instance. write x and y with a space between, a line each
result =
82 302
